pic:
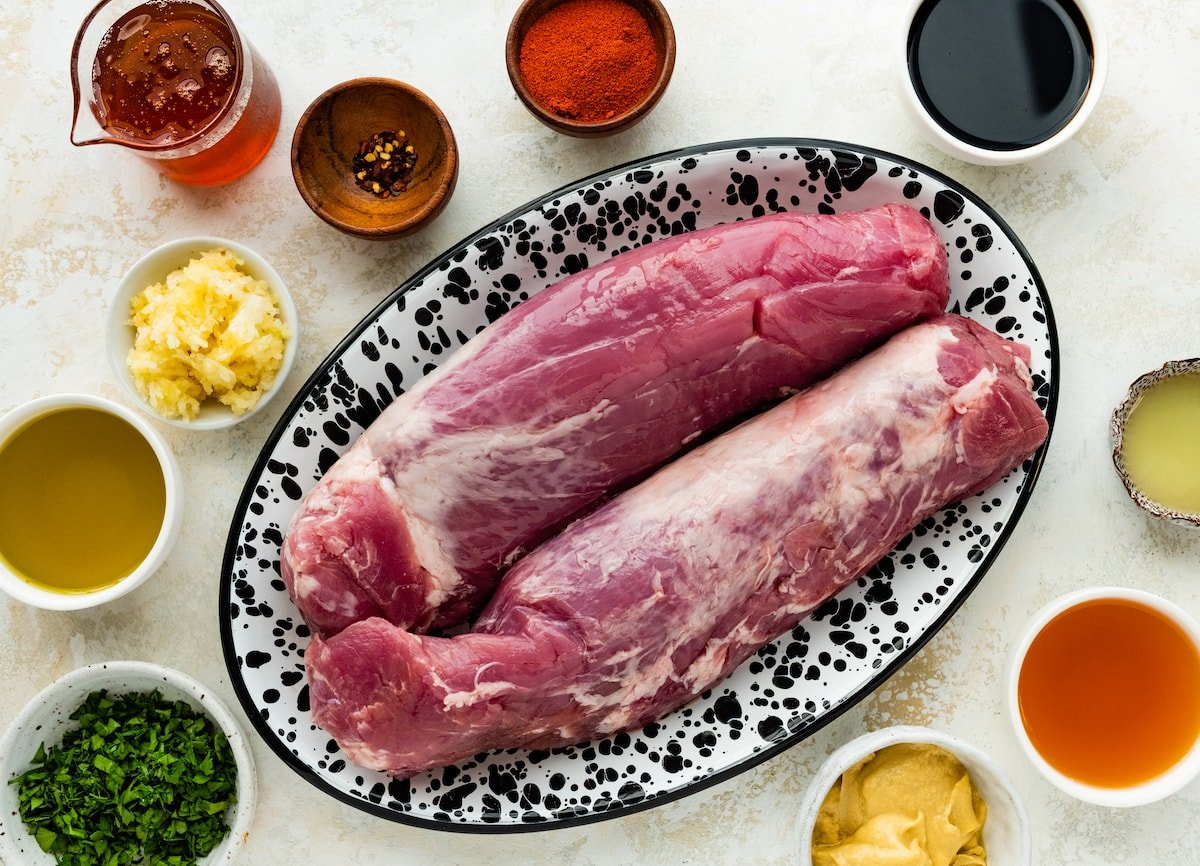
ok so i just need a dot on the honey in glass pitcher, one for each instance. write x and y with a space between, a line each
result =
174 81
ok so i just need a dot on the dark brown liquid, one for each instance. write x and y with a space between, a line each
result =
1000 74
164 71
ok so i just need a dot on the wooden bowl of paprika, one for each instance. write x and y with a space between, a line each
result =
374 158
590 68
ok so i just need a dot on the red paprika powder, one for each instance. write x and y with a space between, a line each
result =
589 60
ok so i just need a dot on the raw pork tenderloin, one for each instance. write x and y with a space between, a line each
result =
589 384
636 609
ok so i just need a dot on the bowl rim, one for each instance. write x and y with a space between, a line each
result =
25 413
1120 417
618 123
1144 793
850 753
430 208
118 336
152 673
968 152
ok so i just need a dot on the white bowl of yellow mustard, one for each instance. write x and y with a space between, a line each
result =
911 794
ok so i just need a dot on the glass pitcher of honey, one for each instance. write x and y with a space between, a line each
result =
174 81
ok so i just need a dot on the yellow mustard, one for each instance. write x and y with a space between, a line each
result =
1161 445
910 804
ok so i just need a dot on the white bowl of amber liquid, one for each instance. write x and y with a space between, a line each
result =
89 501
896 789
1104 695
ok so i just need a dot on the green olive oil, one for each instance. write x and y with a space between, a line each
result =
1161 444
82 500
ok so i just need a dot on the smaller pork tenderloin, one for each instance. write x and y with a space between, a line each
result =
655 597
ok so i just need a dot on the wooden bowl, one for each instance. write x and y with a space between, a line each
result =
663 33
328 137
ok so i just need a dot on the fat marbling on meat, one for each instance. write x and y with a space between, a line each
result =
589 384
639 607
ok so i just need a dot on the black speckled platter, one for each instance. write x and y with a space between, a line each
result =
778 697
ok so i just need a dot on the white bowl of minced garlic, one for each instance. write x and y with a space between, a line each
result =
914 795
202 333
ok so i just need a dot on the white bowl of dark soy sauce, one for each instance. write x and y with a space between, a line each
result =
997 82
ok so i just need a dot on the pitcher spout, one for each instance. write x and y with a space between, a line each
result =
77 134
175 82
83 120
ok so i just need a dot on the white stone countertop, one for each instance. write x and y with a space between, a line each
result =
1110 219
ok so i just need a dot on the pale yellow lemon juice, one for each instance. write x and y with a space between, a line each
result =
1161 443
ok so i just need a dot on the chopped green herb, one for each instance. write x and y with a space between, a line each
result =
143 780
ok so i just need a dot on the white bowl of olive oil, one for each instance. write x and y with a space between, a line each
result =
1156 442
90 501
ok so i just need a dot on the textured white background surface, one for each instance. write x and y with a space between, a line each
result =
1109 218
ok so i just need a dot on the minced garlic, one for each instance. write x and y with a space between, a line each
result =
209 330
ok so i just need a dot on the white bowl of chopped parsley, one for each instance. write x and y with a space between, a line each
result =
122 763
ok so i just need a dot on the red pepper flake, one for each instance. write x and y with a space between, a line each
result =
384 164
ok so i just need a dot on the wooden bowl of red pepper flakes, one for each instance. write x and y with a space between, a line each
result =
590 68
375 158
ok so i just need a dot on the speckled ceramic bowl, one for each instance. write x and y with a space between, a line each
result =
1006 834
1119 419
45 719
